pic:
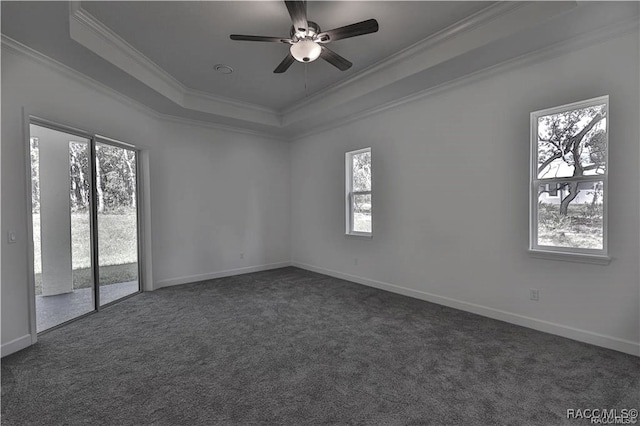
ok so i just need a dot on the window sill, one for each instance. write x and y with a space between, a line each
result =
359 236
595 259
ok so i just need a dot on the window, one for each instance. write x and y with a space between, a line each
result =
569 146
358 192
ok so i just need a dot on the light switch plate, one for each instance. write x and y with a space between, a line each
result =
11 237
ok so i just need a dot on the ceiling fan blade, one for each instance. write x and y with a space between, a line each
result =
334 59
361 28
298 12
285 64
241 37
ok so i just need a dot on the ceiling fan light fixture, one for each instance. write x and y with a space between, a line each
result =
305 50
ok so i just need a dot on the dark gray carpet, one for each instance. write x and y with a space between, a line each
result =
294 347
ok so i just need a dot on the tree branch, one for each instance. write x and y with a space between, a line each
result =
595 120
591 167
575 144
548 161
549 140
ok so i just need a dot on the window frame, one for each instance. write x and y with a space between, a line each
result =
349 193
567 253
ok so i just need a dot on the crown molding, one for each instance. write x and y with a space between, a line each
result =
97 37
289 133
573 44
100 39
91 33
498 20
222 127
12 46
472 21
206 102
488 26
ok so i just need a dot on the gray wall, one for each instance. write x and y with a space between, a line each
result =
214 193
450 199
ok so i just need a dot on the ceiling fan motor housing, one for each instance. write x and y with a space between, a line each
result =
305 33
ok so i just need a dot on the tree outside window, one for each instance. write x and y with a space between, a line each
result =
358 189
569 177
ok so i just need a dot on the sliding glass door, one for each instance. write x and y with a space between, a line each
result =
84 222
117 218
61 231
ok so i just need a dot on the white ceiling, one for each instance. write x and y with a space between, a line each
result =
187 39
162 54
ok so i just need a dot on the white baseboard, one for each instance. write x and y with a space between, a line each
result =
15 345
610 342
220 274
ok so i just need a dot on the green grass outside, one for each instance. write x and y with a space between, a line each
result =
582 227
117 249
362 222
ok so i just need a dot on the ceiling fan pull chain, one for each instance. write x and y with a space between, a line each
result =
306 92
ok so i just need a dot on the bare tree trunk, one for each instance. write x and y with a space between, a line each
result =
132 176
577 167
83 199
74 193
83 192
594 201
573 193
74 168
35 174
99 192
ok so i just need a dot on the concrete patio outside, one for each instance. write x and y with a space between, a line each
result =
54 310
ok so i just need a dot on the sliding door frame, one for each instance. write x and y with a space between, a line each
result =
93 138
94 212
31 288
93 225
38 121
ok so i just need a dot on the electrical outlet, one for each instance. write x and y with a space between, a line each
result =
241 255
534 294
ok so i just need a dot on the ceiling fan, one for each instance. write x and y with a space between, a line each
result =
307 40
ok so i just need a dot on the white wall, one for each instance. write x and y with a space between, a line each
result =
451 199
235 197
450 182
214 193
